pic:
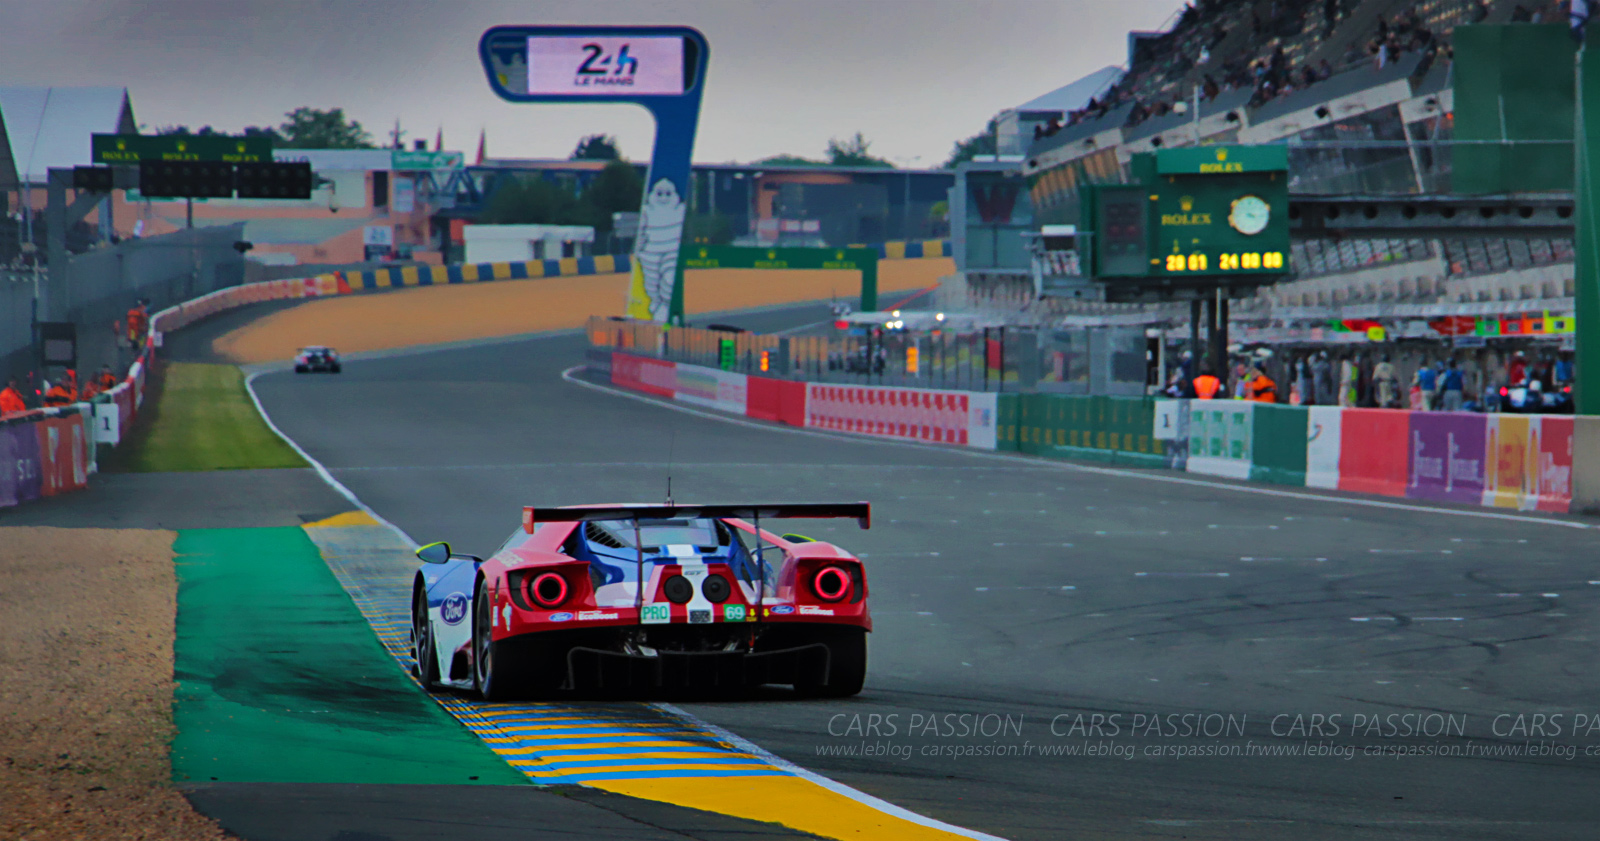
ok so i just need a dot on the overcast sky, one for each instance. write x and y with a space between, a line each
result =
785 75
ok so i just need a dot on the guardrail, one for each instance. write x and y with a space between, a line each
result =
984 359
45 452
1521 462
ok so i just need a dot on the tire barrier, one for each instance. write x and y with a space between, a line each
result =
1522 462
403 276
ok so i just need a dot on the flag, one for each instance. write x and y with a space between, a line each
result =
483 147
438 140
1579 18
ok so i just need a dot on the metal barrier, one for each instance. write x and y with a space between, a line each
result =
987 359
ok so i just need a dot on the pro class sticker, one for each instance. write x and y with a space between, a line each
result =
655 613
453 609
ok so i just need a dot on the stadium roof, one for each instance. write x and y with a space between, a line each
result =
1074 96
44 128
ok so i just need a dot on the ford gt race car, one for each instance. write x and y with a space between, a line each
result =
635 598
316 358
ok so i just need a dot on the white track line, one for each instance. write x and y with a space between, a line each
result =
249 386
722 733
1078 468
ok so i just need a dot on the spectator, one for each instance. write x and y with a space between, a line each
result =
1385 384
1302 388
138 320
1348 376
63 393
1322 379
1261 388
11 398
1517 370
1563 371
1427 384
106 379
1207 386
1451 392
1324 71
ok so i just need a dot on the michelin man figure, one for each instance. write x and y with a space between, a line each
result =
660 232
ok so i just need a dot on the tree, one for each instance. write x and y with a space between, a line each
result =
532 200
790 160
597 147
853 151
708 229
183 131
312 128
617 189
978 144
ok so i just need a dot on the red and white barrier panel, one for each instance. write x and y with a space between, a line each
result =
961 418
915 414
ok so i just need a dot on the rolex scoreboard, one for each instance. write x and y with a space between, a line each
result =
1205 216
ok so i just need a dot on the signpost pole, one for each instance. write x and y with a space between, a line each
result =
869 286
1586 244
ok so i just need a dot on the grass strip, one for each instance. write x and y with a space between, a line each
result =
280 679
203 419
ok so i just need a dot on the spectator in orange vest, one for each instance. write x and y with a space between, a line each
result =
106 380
89 392
1207 386
11 399
137 322
61 394
1260 387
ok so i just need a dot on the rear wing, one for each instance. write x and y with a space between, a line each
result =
860 511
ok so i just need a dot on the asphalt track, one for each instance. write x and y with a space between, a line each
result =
1034 596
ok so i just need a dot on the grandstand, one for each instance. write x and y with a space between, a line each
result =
1360 90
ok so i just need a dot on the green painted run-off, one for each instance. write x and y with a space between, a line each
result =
280 679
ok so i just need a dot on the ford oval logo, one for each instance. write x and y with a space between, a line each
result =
560 617
783 609
453 609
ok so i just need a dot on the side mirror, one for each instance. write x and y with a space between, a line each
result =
434 553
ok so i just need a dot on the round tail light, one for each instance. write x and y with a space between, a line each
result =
716 588
831 584
547 590
678 589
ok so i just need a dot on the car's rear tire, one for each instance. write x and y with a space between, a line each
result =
847 664
425 657
299 369
335 369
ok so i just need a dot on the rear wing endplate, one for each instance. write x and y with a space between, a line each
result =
860 511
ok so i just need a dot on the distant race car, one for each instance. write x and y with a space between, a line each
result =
723 604
315 358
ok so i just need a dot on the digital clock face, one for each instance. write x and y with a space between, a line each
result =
1249 215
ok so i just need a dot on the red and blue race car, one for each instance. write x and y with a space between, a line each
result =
636 598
